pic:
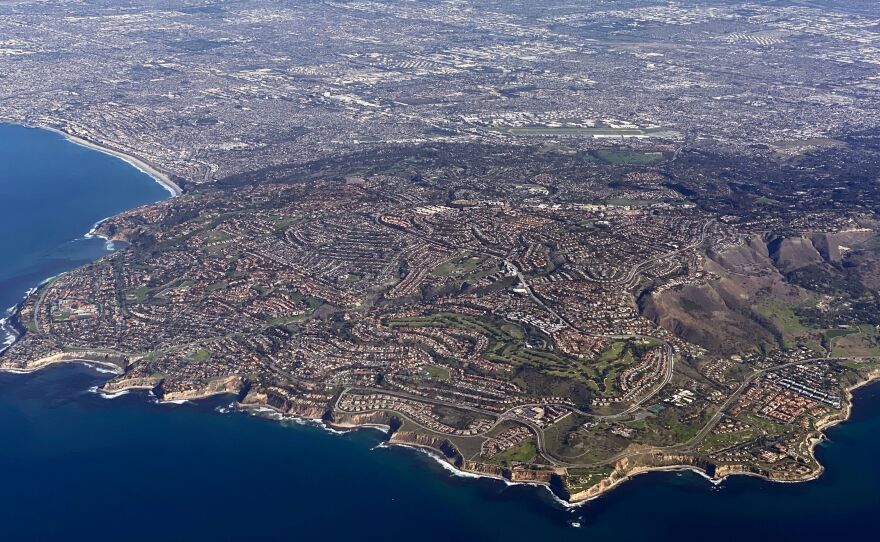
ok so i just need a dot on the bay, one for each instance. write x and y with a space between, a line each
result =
52 192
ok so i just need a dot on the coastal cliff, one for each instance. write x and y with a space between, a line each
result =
112 361
231 385
431 442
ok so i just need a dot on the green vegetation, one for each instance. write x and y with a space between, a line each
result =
523 452
284 320
138 295
437 372
506 340
764 200
675 425
461 265
628 157
613 359
311 301
626 202
832 334
281 223
154 355
583 479
764 426
863 340
574 131
513 330
200 355
570 439
719 441
783 316
215 236
542 372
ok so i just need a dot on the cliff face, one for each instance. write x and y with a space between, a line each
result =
422 440
483 468
540 476
593 491
418 439
726 470
115 361
630 466
285 403
356 420
229 385
131 383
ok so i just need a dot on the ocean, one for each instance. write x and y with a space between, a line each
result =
52 192
75 465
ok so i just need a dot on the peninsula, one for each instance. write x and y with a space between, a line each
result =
553 244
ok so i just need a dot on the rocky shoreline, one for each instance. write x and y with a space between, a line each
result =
718 473
436 445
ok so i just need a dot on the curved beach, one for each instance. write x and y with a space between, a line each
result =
160 177
10 330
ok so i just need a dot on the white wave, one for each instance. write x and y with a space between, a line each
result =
102 368
334 431
9 338
42 283
93 231
151 174
273 414
225 409
105 394
446 465
130 160
8 334
109 245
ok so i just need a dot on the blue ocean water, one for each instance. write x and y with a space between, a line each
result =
77 466
51 193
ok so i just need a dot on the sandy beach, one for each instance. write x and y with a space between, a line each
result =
160 177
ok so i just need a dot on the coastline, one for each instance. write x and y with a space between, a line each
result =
9 334
570 501
813 441
139 164
59 359
625 474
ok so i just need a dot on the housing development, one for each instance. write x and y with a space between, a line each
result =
561 246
